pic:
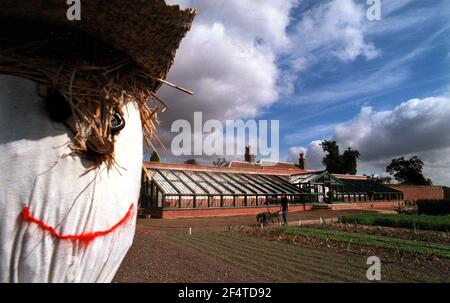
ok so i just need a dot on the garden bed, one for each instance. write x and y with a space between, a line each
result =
421 222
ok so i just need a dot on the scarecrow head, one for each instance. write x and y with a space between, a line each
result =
77 104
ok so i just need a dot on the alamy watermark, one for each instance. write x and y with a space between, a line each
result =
374 271
374 10
215 138
74 10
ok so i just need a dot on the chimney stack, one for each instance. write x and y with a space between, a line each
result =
249 155
302 161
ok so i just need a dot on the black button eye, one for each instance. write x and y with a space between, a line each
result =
117 123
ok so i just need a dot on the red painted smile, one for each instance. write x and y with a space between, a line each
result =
84 237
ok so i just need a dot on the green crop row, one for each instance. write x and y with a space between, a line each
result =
422 222
401 245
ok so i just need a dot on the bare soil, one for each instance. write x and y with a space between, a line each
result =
401 233
218 251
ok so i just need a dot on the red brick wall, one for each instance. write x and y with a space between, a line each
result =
240 211
415 192
220 212
377 205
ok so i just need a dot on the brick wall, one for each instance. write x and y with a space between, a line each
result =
377 205
415 192
447 193
221 212
242 211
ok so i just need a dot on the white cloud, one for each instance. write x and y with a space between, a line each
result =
333 29
294 154
229 60
412 127
314 155
417 127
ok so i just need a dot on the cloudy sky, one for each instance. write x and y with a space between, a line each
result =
325 72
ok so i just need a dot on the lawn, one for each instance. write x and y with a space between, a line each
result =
423 222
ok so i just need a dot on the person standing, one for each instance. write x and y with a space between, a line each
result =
284 207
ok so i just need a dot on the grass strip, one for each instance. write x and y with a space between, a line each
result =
421 222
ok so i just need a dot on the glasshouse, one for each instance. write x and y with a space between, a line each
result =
171 190
325 187
205 189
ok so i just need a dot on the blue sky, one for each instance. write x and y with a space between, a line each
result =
326 72
309 114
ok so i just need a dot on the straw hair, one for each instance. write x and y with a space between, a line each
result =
114 55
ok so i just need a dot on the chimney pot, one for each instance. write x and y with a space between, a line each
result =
302 161
249 155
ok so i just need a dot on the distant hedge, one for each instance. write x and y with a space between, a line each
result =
433 207
422 222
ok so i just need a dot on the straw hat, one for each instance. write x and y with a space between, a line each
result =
118 51
149 31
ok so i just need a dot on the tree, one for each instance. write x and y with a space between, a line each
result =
221 162
408 171
332 159
191 162
154 157
347 163
350 161
381 179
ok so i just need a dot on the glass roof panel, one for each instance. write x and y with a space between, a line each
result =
181 187
202 182
284 183
233 183
276 185
175 181
261 185
206 182
214 183
243 180
301 178
193 185
221 183
163 184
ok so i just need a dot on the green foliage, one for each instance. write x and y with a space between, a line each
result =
339 164
350 161
433 207
332 159
422 222
221 162
408 171
154 157
402 245
381 179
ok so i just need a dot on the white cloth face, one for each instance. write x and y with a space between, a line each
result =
58 191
